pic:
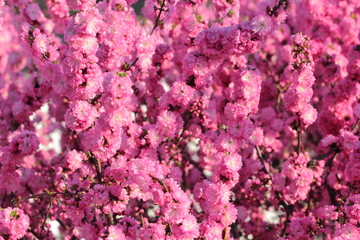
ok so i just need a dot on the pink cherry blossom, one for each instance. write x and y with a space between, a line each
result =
180 119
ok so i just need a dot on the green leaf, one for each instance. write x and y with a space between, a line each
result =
14 214
121 74
198 18
231 13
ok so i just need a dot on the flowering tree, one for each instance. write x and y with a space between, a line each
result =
193 119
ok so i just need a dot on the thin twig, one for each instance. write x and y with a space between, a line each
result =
97 164
49 194
261 159
197 166
308 202
142 219
181 135
111 218
278 99
162 5
355 125
226 237
234 230
127 68
331 191
46 215
161 182
289 211
34 233
325 155
298 148
330 161
4 200
350 190
62 224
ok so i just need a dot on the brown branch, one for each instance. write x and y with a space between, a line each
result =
34 233
234 230
62 224
328 164
289 211
128 66
325 155
157 21
226 235
142 219
97 164
332 194
48 194
4 200
278 100
111 218
298 148
46 215
161 182
261 159
197 166
355 125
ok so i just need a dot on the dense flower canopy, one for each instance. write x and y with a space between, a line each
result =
180 119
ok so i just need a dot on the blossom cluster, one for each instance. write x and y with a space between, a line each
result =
180 119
